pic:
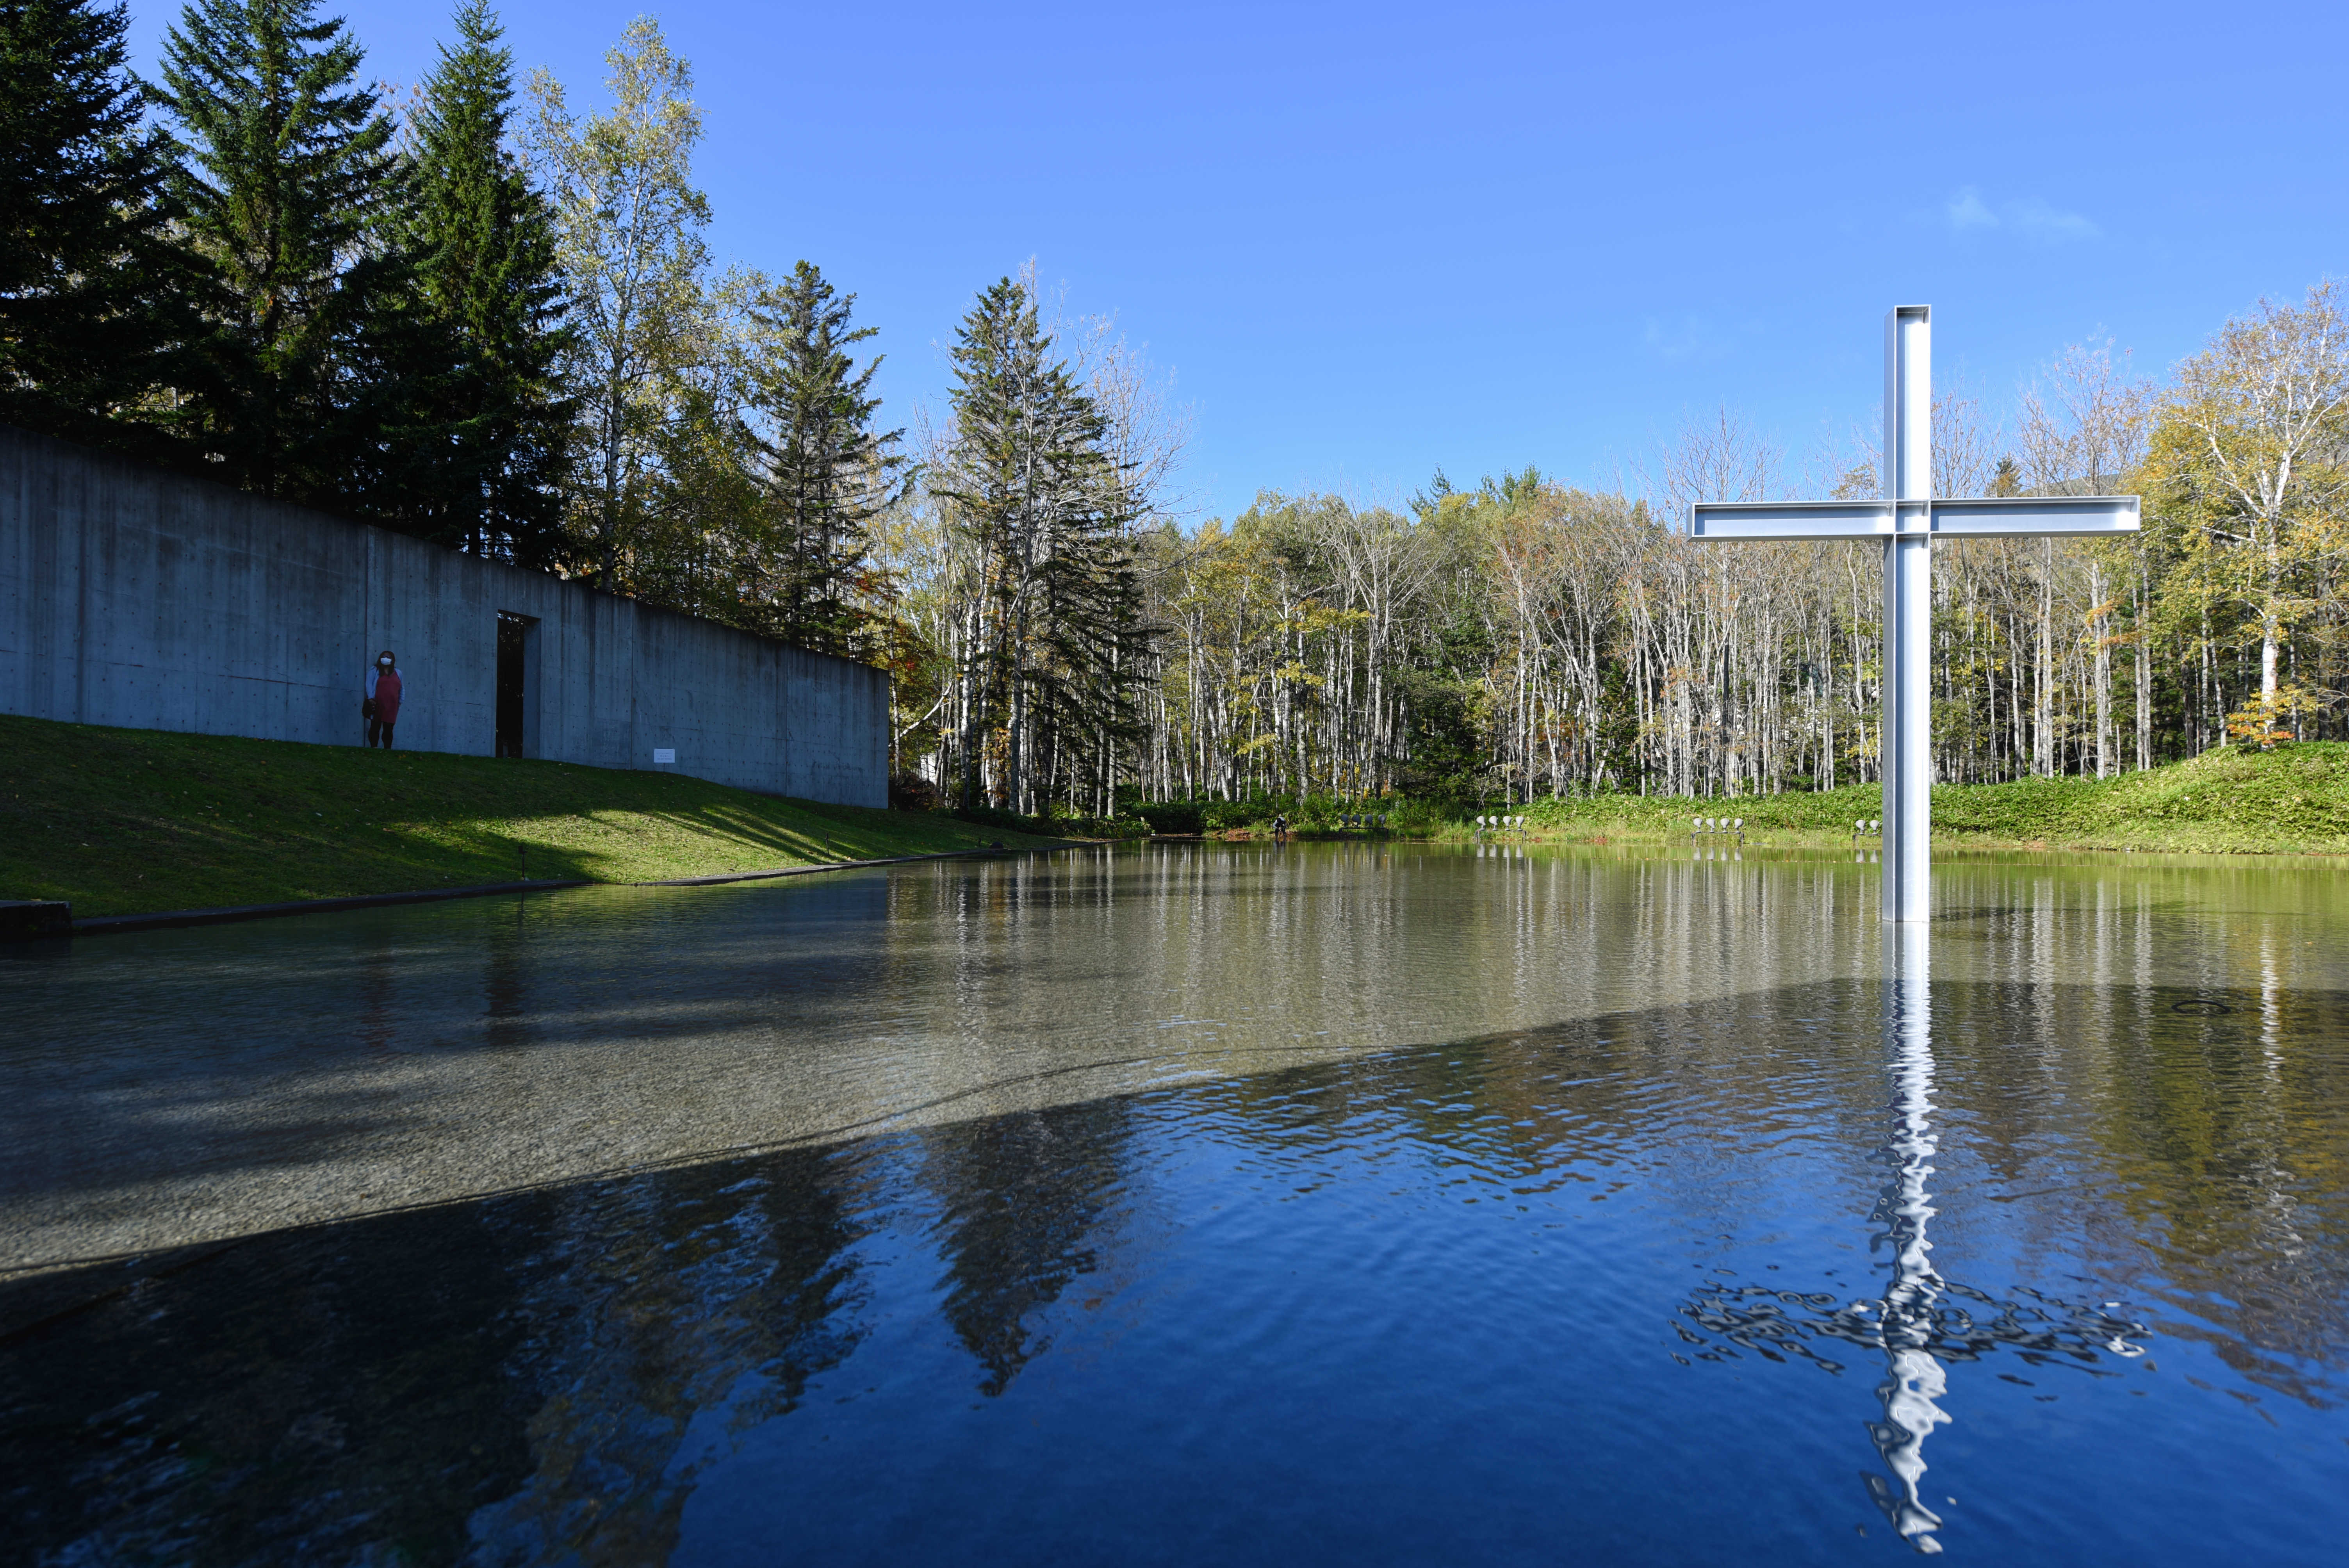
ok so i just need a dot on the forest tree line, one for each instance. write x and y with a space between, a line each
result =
1527 637
469 312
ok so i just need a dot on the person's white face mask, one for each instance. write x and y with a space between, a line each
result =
383 664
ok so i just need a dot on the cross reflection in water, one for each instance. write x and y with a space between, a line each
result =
1922 1324
1914 1379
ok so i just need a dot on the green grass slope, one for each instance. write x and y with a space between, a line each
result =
127 822
2293 800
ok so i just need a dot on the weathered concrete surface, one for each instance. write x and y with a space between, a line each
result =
134 597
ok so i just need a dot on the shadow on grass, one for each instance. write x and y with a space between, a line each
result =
125 821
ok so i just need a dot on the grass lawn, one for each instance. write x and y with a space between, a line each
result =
2293 800
126 821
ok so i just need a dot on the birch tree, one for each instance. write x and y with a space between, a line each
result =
628 222
2257 421
2082 430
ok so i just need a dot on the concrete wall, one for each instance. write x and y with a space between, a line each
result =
134 597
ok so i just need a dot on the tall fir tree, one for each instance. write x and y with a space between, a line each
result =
1044 508
484 423
827 473
89 329
282 171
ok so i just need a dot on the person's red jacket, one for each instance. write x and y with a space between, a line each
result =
387 696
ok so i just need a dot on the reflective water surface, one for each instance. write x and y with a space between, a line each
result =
1195 1203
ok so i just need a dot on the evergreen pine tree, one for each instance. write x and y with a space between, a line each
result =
282 170
827 473
1043 508
479 442
88 329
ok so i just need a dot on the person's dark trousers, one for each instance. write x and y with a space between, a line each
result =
377 729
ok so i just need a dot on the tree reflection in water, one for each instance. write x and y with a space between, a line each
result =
1027 1200
652 1305
1353 1310
513 1381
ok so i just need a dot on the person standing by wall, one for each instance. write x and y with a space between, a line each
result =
381 705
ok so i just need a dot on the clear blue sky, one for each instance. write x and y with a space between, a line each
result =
1371 239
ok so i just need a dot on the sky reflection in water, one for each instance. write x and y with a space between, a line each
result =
1195 1205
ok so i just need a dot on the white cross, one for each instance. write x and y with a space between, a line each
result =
1907 519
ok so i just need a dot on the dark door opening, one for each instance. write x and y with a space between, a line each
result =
513 673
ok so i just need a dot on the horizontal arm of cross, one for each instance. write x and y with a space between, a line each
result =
1992 517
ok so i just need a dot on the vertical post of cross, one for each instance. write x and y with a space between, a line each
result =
1904 523
1906 746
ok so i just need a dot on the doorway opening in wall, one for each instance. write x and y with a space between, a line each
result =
514 675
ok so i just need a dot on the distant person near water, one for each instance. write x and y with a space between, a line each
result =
380 707
1279 828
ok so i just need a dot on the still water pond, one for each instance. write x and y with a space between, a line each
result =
1191 1204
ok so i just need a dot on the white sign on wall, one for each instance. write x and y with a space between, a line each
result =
664 754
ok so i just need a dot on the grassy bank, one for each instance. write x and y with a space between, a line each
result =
2292 801
124 822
